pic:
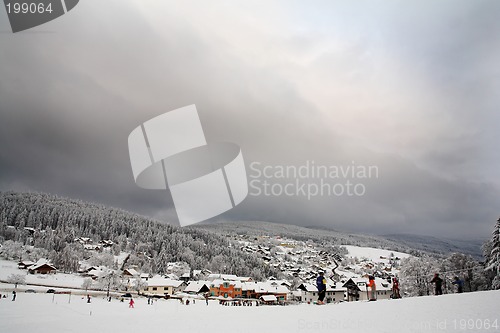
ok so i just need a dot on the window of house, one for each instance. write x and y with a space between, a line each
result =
226 284
154 288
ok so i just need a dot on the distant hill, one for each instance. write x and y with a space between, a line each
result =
439 245
404 243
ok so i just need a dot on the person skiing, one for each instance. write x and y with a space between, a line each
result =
438 284
14 294
395 288
321 285
131 303
459 283
372 294
88 298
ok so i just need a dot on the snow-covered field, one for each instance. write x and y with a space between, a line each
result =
471 312
51 280
372 253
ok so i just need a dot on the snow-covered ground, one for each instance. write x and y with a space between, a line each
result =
51 280
471 312
373 254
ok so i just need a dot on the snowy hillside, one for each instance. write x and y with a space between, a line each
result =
471 312
66 231
409 244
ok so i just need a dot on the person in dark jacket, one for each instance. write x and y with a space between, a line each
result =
459 283
321 284
438 284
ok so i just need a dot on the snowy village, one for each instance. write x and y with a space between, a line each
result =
242 166
347 278
92 276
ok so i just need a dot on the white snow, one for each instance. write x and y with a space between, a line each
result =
373 254
54 313
51 280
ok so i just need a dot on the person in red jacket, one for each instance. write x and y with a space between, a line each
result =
131 303
372 291
395 288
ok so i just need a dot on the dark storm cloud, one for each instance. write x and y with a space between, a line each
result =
408 89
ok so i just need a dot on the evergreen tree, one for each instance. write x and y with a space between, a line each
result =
492 254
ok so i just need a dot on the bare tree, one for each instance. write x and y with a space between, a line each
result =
16 279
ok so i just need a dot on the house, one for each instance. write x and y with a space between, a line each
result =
42 267
197 287
244 279
226 289
384 288
31 231
185 277
95 272
130 272
92 247
24 264
279 290
158 285
354 290
85 269
107 243
225 277
334 293
256 289
83 240
357 289
268 299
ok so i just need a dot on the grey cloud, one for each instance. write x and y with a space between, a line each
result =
69 99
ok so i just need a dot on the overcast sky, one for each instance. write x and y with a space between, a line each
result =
410 87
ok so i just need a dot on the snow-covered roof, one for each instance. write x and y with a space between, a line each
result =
131 271
382 284
243 278
218 282
308 287
39 264
195 286
227 277
98 271
265 287
172 276
268 298
159 281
